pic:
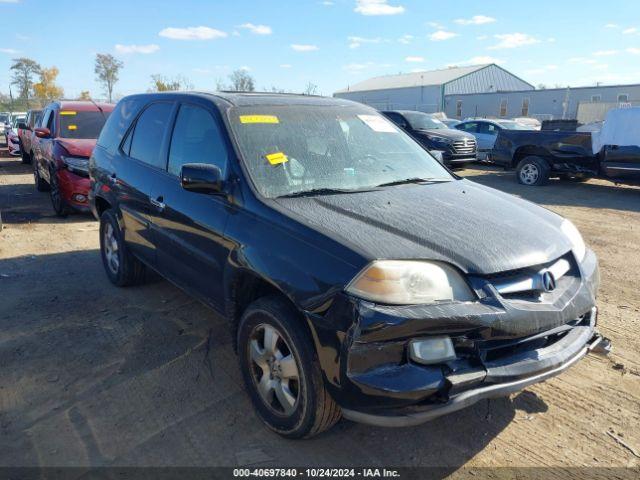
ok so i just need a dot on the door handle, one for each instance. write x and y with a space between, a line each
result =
158 203
113 179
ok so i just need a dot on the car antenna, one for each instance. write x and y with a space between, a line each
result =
98 107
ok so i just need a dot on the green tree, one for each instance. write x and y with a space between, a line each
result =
24 69
160 83
241 81
107 70
84 95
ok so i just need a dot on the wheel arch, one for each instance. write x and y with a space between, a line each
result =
530 150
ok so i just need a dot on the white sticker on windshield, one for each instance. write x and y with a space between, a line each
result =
378 124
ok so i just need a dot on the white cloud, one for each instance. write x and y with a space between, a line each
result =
633 51
9 51
414 59
9 1
612 25
355 42
482 37
377 7
441 35
583 60
405 39
285 65
542 70
475 20
478 60
304 48
605 53
358 67
327 3
257 29
436 25
513 40
144 49
629 31
192 33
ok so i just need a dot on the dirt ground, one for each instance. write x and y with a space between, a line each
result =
95 375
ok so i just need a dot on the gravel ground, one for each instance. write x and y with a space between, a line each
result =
93 375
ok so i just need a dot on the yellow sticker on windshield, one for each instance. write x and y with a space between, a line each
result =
72 127
276 158
259 119
67 112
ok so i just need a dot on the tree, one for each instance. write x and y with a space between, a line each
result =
46 90
220 85
160 83
310 89
107 71
84 95
241 81
24 70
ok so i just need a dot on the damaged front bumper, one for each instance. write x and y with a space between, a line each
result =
503 344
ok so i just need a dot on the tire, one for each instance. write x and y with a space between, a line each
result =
41 184
533 171
59 204
26 158
298 383
122 268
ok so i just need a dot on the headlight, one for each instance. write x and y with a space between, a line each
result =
76 164
399 282
437 139
577 243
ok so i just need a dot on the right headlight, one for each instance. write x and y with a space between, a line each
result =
402 282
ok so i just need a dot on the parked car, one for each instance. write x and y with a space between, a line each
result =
458 148
13 141
5 118
486 131
450 122
617 146
25 134
358 275
63 142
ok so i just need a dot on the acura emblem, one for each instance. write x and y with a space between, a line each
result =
548 281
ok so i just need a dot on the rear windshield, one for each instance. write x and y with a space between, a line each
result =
75 124
422 121
295 149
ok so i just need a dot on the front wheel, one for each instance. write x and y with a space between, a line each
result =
533 171
41 184
26 158
281 370
57 200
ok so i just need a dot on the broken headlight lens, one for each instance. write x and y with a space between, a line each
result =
577 243
398 282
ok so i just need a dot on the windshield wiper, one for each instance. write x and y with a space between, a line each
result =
413 180
322 191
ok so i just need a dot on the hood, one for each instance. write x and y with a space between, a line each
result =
448 133
78 147
476 228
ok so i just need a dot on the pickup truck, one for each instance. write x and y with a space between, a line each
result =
613 153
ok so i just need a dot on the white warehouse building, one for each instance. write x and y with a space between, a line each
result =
487 91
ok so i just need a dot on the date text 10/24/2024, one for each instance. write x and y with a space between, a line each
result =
316 473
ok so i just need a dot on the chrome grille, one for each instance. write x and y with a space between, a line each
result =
466 146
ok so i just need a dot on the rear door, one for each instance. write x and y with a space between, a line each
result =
486 136
189 227
138 165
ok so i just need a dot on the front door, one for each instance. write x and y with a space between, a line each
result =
189 227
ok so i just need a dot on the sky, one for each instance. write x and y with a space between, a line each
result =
330 43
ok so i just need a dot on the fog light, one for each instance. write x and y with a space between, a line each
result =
432 350
78 197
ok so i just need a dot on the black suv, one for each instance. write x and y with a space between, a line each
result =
458 148
360 278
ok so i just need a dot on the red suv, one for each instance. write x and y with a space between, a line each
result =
62 145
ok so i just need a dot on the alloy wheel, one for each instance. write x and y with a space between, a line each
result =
529 174
274 370
110 245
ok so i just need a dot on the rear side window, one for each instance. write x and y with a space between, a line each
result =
118 123
149 131
196 139
468 127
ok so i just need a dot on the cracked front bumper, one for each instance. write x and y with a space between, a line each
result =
502 344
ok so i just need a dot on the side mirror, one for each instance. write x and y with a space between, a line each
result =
23 126
201 178
43 132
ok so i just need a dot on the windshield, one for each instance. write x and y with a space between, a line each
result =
4 118
422 121
295 149
514 126
81 124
